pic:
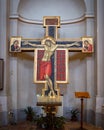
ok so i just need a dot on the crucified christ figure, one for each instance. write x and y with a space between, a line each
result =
46 65
45 69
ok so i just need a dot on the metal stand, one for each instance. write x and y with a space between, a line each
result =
81 127
82 95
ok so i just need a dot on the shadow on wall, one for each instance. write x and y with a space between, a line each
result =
99 120
3 118
79 56
90 116
22 115
72 114
96 119
24 55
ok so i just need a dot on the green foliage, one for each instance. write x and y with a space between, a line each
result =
59 122
41 122
49 122
30 114
74 114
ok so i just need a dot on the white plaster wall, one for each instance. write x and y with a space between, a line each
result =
4 29
27 30
77 64
26 87
77 79
69 9
22 90
72 30
30 30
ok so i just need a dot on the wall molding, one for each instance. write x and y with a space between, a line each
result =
40 22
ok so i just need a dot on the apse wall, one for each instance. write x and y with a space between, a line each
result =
26 20
36 10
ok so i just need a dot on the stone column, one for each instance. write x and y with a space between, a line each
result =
4 29
90 85
100 61
90 72
14 59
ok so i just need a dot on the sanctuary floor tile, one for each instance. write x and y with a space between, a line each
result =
68 126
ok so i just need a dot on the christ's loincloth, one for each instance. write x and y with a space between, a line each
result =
45 69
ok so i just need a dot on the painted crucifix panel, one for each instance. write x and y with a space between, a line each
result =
51 55
59 66
51 65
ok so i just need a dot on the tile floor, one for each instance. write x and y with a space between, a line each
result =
68 126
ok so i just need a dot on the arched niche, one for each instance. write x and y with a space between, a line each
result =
36 9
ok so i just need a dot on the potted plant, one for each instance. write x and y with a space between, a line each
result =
30 114
74 114
41 122
49 122
59 123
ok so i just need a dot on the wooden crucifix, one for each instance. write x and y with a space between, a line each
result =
51 55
